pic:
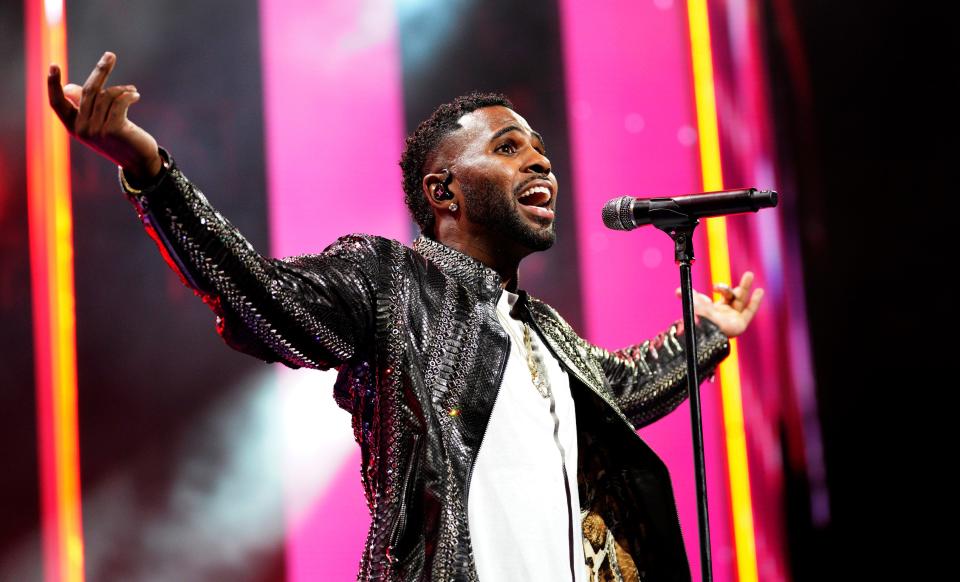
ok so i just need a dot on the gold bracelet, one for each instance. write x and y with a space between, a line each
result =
164 167
126 185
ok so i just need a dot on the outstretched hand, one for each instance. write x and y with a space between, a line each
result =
98 118
734 310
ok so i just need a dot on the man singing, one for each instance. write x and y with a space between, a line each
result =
496 443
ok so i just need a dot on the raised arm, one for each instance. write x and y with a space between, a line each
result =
649 380
314 311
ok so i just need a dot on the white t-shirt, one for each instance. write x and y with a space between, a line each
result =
524 513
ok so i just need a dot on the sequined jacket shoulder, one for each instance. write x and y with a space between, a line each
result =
420 354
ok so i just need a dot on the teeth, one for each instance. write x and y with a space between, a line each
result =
541 189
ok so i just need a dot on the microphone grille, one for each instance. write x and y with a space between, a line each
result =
618 214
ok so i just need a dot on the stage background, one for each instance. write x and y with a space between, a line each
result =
199 463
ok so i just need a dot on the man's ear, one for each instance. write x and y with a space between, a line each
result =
436 188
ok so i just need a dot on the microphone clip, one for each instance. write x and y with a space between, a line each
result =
678 227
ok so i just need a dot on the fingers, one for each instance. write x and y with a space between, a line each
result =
92 88
100 124
118 110
65 109
84 112
97 124
737 296
751 309
746 281
723 289
72 92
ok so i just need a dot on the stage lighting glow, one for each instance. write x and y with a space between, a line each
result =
53 9
351 64
444 17
729 370
54 324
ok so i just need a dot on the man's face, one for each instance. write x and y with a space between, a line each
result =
509 190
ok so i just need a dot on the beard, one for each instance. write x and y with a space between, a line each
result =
495 208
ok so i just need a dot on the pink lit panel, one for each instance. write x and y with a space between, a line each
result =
334 133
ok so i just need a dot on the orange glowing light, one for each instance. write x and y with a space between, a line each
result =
54 323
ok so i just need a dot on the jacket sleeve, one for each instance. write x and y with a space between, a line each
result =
649 380
313 311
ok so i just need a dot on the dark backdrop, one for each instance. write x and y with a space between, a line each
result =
862 99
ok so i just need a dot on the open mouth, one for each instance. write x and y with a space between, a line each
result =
535 196
536 201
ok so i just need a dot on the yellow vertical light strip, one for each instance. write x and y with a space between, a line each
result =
729 371
51 242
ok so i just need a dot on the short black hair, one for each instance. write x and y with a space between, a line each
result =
423 142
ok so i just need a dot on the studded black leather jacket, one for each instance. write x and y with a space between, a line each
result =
420 354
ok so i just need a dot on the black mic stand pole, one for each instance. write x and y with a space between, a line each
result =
680 228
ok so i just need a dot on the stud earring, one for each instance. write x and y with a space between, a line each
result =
453 207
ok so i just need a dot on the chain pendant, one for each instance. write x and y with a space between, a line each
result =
536 373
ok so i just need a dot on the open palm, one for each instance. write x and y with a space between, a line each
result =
735 308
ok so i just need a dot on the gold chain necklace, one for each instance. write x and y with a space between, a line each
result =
537 374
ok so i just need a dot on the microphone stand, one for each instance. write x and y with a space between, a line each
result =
678 217
680 227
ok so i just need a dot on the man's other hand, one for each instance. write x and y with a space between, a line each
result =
98 118
735 308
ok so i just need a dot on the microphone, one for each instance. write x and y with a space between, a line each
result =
627 212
